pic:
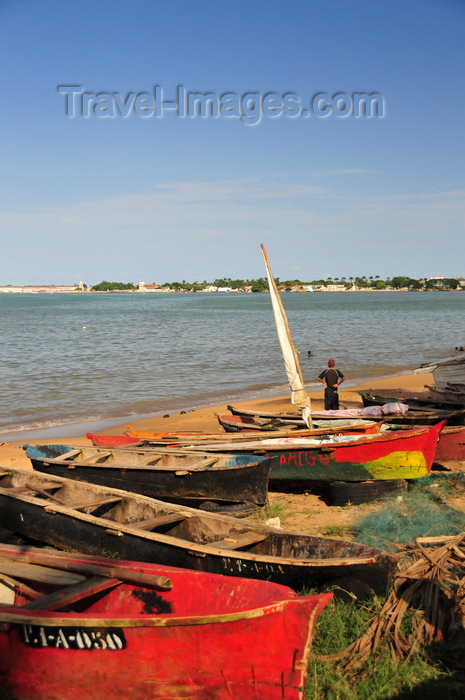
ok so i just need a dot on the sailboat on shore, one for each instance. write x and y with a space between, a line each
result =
299 396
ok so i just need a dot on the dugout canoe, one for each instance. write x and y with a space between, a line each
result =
451 395
75 626
224 480
94 519
451 444
111 440
180 438
240 424
402 454
416 403
407 417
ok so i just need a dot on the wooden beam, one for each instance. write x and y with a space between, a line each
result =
71 594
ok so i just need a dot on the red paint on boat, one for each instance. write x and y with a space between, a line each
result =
210 636
451 443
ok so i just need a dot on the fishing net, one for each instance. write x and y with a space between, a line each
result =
421 512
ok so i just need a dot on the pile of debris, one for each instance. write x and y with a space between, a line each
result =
429 584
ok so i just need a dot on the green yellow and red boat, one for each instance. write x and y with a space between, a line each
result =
403 454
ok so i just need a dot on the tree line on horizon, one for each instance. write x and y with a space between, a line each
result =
261 284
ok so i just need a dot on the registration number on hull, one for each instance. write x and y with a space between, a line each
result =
83 638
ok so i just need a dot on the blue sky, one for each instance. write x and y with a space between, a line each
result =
164 198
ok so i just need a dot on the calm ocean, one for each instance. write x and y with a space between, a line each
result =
78 358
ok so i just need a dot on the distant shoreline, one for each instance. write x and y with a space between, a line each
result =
3 290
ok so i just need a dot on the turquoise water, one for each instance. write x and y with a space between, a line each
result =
84 357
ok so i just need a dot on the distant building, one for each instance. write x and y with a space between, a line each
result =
212 288
147 287
42 288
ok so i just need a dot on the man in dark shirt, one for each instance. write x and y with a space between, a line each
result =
331 378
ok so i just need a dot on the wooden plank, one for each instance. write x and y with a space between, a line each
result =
65 455
240 541
35 572
92 458
95 504
45 493
60 562
152 523
71 594
206 463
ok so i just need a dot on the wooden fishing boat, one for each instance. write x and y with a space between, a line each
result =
450 370
179 477
198 439
76 626
178 438
111 440
416 403
451 395
402 454
451 444
272 415
409 417
351 418
93 519
457 386
239 424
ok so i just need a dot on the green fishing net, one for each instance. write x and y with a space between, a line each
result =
421 512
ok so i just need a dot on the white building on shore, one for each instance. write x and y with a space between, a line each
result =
42 288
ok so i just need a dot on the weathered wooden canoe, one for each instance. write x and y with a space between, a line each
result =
451 443
239 424
410 417
94 519
328 427
179 438
236 424
402 454
179 477
111 440
449 395
417 403
74 626
450 370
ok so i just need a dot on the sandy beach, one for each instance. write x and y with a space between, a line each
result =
307 512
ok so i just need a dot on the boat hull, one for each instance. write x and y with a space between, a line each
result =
432 406
210 636
195 540
451 445
403 454
242 479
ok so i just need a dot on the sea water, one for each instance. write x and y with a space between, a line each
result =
74 358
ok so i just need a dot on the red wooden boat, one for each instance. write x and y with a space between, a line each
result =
244 426
400 454
111 440
451 443
76 626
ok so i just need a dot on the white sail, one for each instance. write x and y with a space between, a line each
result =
299 396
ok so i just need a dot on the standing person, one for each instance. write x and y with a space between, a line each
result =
331 378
